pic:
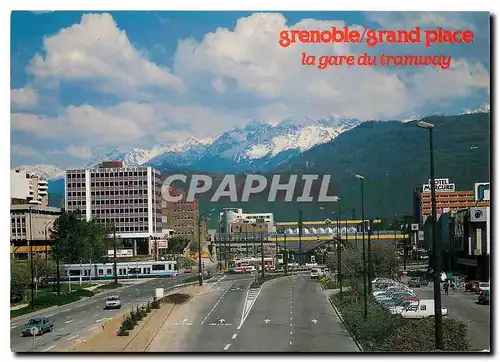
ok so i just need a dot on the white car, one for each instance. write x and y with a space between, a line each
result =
483 287
113 302
315 273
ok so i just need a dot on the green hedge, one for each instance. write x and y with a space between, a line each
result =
385 332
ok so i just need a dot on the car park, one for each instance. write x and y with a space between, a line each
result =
113 302
37 326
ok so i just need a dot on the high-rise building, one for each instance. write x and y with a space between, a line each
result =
127 199
28 188
182 216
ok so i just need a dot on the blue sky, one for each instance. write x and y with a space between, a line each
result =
86 82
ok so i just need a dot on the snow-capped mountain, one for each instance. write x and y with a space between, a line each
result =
485 108
257 145
46 171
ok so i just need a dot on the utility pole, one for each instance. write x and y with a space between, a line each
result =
30 240
365 284
276 252
300 238
200 274
369 257
339 251
285 255
246 239
262 253
436 249
115 270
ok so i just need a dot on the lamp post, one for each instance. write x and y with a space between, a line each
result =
200 273
46 241
30 243
435 252
339 249
365 286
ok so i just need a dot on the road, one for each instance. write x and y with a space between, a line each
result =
463 306
74 320
287 315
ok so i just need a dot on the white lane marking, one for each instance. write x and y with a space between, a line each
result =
67 310
290 343
239 327
71 320
50 315
290 323
100 320
48 349
60 329
217 303
80 321
234 336
291 332
290 317
91 329
69 339
227 347
13 326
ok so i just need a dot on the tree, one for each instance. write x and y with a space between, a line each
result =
19 280
76 240
176 245
384 261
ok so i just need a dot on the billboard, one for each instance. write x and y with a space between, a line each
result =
482 191
121 253
442 185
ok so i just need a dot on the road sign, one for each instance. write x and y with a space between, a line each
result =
414 227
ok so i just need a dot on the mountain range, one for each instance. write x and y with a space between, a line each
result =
393 157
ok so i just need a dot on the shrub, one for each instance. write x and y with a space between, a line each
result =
148 307
418 336
155 304
379 325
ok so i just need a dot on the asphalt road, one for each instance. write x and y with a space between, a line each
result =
291 314
74 320
463 306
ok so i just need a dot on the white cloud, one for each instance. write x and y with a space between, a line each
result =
23 98
75 151
24 151
126 123
96 52
251 57
395 20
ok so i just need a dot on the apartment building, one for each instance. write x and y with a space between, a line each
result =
128 199
28 188
182 216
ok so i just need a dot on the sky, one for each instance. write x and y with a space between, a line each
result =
83 83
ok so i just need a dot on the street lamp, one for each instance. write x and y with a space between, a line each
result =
200 274
30 244
365 284
435 252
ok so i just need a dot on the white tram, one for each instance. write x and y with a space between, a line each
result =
125 270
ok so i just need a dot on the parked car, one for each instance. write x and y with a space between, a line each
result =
113 302
36 326
421 309
416 283
188 270
484 297
384 281
482 287
471 285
